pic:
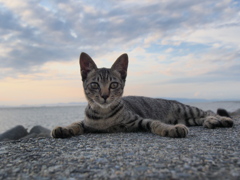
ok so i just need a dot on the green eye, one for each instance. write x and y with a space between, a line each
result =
114 85
94 85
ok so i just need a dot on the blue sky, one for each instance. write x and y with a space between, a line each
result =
177 49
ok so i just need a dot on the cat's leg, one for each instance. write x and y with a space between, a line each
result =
65 132
167 130
212 120
191 116
158 127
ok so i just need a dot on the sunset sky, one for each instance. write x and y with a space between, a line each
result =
176 49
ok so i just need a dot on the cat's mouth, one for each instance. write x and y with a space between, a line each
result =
105 105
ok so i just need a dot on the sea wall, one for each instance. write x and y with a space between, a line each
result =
203 154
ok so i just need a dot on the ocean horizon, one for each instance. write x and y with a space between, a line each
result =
84 103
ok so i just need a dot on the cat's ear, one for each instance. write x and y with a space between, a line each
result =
86 65
121 65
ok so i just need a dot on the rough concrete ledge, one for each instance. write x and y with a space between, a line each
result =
204 154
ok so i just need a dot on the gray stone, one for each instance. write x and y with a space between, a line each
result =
235 113
37 132
40 130
14 133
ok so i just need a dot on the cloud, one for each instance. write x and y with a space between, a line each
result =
176 48
227 37
169 50
34 34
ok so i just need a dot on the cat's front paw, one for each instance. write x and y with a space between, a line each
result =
226 121
212 122
176 131
62 132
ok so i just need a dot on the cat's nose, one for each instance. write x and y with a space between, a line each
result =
105 97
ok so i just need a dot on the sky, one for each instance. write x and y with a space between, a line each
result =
177 49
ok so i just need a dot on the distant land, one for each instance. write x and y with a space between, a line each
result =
49 105
182 100
186 100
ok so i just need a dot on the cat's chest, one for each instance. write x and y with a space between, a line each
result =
102 119
103 123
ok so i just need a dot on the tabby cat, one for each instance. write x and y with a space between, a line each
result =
108 111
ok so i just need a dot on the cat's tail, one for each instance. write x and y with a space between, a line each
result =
223 112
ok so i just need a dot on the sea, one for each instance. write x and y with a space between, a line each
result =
52 116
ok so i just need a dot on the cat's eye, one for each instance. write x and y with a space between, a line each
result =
114 85
94 85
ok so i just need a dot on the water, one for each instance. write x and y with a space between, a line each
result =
230 106
50 117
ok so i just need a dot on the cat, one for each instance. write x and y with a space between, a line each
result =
108 111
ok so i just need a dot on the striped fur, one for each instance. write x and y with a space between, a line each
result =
108 111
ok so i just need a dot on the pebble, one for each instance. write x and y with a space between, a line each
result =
101 160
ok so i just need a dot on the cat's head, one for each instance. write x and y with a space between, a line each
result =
103 86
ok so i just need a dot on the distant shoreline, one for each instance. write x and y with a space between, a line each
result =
182 100
46 105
